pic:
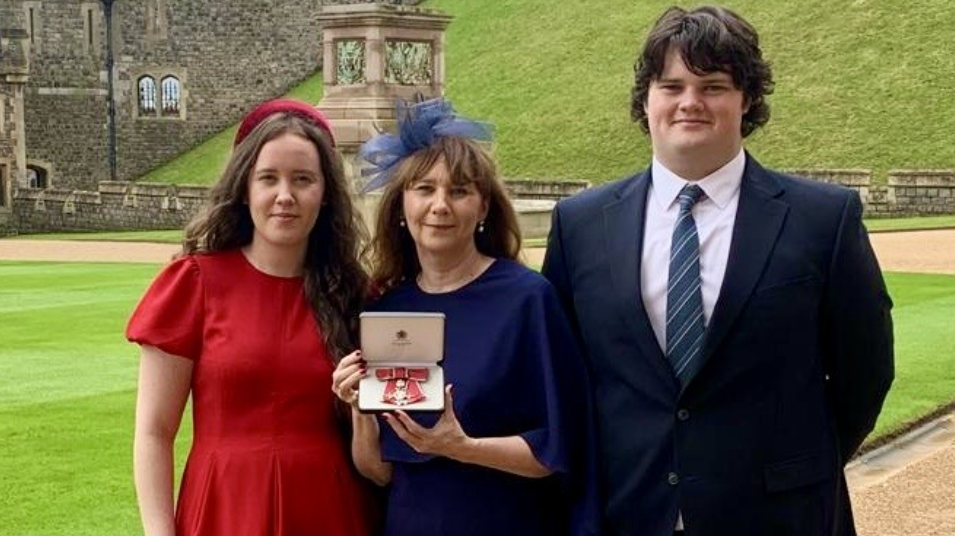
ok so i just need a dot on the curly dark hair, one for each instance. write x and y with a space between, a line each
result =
336 283
709 39
393 252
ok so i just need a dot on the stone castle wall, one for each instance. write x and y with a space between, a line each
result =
125 206
13 75
7 144
227 56
113 205
906 193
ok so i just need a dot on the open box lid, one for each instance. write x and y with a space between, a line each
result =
401 337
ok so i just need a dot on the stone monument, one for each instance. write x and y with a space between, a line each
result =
373 55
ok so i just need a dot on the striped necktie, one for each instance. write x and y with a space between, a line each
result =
685 324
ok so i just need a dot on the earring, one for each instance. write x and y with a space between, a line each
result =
481 226
401 222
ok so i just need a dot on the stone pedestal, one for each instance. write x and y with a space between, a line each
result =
374 54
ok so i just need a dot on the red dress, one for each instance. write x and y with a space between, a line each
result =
267 456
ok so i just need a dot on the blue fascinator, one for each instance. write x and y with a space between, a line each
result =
419 125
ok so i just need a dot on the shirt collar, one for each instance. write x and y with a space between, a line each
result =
720 186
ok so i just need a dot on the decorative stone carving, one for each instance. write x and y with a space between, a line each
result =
408 63
350 67
380 52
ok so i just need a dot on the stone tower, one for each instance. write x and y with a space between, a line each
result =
14 72
183 70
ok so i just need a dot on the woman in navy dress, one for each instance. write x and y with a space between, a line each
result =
511 452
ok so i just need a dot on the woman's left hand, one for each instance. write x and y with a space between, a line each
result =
445 438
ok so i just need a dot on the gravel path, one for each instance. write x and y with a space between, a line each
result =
920 500
909 490
917 251
83 251
907 487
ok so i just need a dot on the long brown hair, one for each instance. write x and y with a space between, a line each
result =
393 252
336 283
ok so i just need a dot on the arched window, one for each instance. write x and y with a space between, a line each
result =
36 177
147 95
171 95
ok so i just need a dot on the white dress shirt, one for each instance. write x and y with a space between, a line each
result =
714 214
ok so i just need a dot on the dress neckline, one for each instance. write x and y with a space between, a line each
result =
282 279
491 267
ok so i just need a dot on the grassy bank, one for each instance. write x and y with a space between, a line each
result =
852 79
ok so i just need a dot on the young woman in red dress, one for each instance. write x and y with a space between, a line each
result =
250 320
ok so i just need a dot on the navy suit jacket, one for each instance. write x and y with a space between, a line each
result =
798 358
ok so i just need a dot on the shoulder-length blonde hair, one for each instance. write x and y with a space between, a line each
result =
393 252
336 283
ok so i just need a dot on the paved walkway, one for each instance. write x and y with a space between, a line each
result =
918 251
84 251
906 488
914 251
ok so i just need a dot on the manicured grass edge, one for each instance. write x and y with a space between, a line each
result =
875 442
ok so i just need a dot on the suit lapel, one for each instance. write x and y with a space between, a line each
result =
759 219
623 228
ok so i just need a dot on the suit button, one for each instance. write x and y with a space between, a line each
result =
683 415
673 479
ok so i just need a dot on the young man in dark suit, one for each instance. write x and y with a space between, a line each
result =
736 322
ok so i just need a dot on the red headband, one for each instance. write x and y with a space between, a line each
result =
301 109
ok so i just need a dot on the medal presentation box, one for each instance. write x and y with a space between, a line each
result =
402 352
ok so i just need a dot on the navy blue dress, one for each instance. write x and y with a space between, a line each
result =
516 370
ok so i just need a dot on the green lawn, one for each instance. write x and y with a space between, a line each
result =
924 349
67 388
67 394
910 224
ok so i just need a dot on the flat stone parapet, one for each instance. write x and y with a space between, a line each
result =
152 189
845 177
939 178
113 187
916 192
192 192
117 205
363 14
543 189
27 194
55 195
533 216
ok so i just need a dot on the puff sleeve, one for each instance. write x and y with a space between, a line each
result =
170 314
